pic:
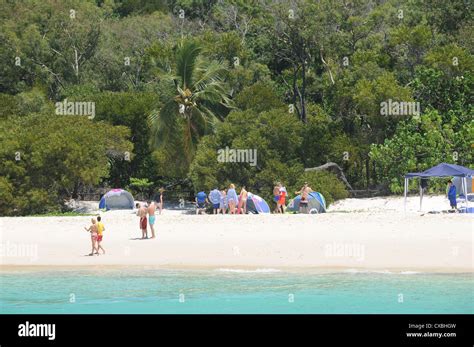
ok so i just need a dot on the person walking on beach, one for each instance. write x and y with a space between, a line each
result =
151 217
282 198
100 232
452 195
304 192
215 198
242 201
223 202
160 202
141 212
232 198
201 199
93 230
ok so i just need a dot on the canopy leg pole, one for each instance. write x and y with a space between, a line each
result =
421 196
465 193
405 195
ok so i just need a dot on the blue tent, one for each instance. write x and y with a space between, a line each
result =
256 204
117 199
316 203
441 170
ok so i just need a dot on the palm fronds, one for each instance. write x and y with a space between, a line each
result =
186 60
199 100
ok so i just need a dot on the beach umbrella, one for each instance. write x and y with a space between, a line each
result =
256 204
117 199
316 203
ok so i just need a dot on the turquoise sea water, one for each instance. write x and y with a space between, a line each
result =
229 291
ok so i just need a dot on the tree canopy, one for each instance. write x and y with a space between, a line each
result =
378 87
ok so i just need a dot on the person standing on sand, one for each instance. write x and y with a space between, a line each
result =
160 203
93 230
223 202
276 197
215 198
232 198
452 195
242 201
151 217
281 200
304 192
141 212
100 231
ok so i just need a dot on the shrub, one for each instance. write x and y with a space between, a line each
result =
46 159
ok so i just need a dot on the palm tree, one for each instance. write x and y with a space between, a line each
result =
198 101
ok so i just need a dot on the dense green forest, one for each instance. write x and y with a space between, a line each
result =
380 87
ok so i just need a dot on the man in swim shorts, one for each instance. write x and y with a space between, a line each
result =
141 212
100 231
151 217
304 192
215 197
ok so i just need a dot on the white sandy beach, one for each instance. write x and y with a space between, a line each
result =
376 235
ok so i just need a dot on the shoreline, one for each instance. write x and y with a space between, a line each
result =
8 269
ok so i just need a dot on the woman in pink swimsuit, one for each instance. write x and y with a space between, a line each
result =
94 233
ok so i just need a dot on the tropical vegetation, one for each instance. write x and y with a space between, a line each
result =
173 82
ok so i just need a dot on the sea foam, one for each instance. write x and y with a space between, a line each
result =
248 271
